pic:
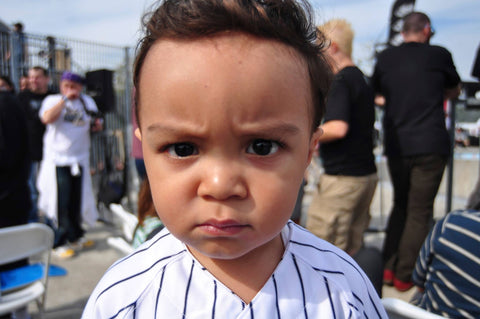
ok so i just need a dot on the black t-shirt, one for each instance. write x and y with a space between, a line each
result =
31 103
350 99
413 77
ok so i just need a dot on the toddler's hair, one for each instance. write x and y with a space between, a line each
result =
287 21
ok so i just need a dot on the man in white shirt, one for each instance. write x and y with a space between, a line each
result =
70 200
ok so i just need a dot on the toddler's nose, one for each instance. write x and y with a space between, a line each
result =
222 180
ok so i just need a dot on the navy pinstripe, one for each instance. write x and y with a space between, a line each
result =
301 284
324 251
276 296
330 297
214 298
137 274
353 306
329 271
375 307
121 310
341 257
159 291
187 290
139 251
356 297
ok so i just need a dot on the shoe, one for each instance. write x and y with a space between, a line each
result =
402 285
82 243
388 276
63 252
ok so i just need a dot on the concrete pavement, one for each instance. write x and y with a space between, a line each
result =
67 295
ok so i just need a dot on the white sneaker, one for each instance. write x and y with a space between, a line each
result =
63 252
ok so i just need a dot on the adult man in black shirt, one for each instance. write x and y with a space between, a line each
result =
339 213
413 80
31 100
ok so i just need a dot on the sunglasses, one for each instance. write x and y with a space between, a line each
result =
432 30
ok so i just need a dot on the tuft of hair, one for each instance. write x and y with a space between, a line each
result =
145 202
415 22
287 21
7 80
40 68
339 31
18 27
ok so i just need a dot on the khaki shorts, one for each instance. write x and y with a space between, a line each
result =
340 211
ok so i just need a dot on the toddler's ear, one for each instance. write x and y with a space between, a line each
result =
138 134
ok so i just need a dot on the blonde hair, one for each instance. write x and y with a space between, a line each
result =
339 31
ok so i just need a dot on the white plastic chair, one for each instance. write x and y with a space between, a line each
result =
399 309
127 220
34 242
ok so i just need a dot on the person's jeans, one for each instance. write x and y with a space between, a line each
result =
415 180
32 184
69 201
141 171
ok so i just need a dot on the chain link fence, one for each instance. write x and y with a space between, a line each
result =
111 164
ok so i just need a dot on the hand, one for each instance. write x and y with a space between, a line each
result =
72 94
97 125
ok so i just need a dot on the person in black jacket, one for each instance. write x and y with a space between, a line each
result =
14 165
14 193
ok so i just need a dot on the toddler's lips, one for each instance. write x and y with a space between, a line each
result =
222 228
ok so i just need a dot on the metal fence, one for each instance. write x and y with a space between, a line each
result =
111 148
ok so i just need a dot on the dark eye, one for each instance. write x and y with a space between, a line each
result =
263 147
182 150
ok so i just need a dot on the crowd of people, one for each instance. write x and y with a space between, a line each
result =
223 136
56 152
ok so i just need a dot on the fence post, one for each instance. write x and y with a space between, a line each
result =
131 186
451 160
14 61
51 57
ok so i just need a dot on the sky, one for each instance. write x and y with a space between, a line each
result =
118 22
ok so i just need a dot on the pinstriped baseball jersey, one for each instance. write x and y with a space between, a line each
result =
162 279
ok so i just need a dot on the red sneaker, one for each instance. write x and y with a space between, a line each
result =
402 285
388 276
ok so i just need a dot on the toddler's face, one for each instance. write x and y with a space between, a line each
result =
225 129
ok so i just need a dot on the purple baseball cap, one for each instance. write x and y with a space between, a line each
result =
70 76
